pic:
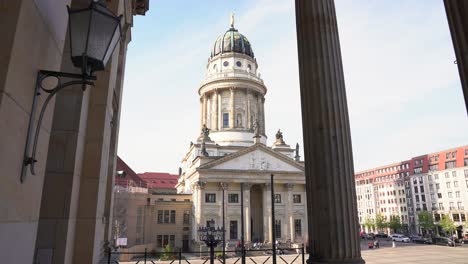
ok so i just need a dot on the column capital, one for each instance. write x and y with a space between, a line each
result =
247 186
199 185
224 185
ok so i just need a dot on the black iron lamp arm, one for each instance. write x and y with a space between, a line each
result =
80 79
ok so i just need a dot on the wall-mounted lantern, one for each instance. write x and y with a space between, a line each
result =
94 34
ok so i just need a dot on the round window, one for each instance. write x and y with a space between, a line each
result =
226 64
238 64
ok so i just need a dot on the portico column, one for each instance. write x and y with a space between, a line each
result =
267 212
231 109
331 195
289 211
458 23
200 186
247 208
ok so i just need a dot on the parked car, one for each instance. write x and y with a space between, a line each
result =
420 240
443 241
363 235
465 239
400 238
371 236
381 235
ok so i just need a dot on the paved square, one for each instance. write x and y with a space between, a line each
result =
427 254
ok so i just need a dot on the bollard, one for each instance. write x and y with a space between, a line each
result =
302 252
145 254
393 244
109 256
180 255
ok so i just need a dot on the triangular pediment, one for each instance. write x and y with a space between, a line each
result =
257 157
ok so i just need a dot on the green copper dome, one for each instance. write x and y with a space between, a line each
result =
232 41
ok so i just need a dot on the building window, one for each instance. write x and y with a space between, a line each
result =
452 206
437 216
186 217
441 206
446 175
436 176
159 241
460 206
463 217
455 184
466 172
233 198
278 228
277 198
225 119
416 189
296 198
297 228
233 229
172 240
422 188
163 240
448 184
454 174
423 197
449 195
160 216
437 186
173 217
439 195
450 164
210 198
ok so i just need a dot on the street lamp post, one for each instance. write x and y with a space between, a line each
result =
211 236
242 224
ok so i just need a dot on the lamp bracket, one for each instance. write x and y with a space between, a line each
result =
78 79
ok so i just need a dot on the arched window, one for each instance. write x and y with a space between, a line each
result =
225 120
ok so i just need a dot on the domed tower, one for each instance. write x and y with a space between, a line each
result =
232 95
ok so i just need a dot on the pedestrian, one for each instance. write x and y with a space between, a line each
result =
376 244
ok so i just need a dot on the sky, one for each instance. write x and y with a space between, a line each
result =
403 88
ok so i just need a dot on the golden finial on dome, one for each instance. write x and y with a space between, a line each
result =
232 19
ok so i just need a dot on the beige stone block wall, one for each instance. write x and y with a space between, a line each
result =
30 41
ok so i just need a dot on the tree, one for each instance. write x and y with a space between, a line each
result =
447 224
380 222
394 223
369 223
425 220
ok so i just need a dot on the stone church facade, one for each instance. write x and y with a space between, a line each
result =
232 150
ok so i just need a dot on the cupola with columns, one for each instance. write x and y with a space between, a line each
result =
232 94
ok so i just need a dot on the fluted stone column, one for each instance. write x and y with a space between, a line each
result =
199 186
215 121
232 109
331 195
247 211
249 118
457 11
289 211
204 110
267 235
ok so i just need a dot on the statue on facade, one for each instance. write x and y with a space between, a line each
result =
256 129
232 20
203 151
205 134
279 138
297 157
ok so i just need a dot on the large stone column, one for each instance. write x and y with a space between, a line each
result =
289 211
214 113
204 112
247 211
458 23
267 235
331 195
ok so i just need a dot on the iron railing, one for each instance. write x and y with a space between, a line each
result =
251 256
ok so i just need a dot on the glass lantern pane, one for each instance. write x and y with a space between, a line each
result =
79 25
100 36
113 44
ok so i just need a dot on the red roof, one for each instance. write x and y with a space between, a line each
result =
131 177
159 179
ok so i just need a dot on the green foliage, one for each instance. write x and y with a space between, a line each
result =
447 224
380 222
168 253
394 223
369 223
426 220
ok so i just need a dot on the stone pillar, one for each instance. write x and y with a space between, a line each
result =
331 199
199 186
458 23
232 109
267 212
201 113
214 113
289 211
247 211
204 114
220 114
262 110
249 118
